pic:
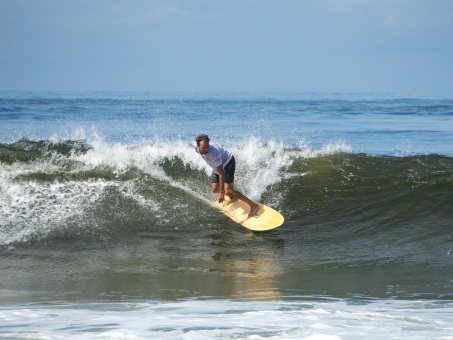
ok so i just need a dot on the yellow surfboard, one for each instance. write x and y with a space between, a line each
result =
265 219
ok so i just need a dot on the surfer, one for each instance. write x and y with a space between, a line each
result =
223 167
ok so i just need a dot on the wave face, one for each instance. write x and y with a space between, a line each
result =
70 187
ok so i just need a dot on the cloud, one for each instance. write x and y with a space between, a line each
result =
390 20
122 15
157 14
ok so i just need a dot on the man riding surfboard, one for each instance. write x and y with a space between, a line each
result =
223 166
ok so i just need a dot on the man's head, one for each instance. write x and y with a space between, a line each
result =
202 143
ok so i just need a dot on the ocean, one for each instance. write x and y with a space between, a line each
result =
107 228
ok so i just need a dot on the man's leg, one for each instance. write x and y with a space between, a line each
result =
234 194
215 187
214 182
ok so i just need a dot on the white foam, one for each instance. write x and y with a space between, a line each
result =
259 166
226 319
305 151
31 208
36 207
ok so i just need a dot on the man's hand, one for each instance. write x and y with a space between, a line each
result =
221 196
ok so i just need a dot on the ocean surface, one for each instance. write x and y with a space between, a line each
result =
107 228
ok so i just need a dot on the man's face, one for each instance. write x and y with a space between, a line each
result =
203 147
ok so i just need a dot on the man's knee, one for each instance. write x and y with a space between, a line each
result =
229 192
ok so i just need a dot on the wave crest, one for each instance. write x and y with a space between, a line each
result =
74 189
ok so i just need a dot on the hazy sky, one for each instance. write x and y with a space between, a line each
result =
227 45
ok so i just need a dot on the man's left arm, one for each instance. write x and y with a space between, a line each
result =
221 183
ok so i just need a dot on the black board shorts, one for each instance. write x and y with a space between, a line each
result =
229 170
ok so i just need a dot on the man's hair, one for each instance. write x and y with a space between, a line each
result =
201 137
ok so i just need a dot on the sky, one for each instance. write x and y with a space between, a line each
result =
403 46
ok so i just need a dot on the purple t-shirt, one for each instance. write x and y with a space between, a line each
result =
216 156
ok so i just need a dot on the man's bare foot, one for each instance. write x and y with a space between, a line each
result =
253 210
231 201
